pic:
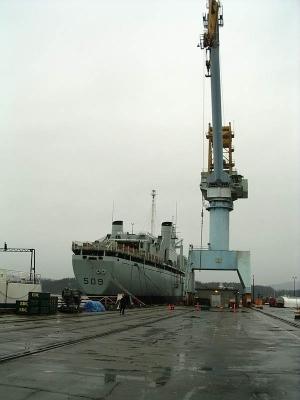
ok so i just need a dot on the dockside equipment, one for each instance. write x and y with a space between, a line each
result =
221 185
37 303
71 299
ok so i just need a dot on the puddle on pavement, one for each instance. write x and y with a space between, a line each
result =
113 377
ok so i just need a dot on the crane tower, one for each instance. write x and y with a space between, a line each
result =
221 184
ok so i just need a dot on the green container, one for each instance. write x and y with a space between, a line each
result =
44 296
21 307
33 310
44 303
53 299
22 311
53 307
38 295
44 310
33 295
33 303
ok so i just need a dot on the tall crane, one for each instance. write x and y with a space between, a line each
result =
220 184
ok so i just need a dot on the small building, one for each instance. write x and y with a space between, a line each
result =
15 285
217 296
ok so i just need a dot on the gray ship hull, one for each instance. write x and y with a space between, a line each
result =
110 275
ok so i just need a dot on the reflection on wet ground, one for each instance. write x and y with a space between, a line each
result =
208 355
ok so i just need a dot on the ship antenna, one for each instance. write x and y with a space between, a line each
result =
153 212
113 211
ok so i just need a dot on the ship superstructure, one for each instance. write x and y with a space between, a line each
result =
145 266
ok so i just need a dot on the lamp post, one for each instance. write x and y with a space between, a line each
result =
253 289
294 278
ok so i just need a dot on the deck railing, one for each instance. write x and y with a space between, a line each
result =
118 248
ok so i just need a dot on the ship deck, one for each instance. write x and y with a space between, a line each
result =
151 353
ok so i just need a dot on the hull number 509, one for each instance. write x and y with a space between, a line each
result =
93 281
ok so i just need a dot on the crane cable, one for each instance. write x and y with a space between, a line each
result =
203 112
221 87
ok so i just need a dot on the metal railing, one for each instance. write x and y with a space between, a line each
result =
118 248
14 276
192 247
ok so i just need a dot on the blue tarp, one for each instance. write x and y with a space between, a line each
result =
94 306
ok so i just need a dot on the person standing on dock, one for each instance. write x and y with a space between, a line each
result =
123 303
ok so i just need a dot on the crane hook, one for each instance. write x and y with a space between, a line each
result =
207 63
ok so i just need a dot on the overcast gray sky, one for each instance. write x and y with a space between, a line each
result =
102 101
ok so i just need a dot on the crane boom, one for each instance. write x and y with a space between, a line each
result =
210 41
212 23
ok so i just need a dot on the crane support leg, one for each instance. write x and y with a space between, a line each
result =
223 260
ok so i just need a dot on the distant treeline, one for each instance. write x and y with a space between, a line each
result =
259 290
55 286
290 293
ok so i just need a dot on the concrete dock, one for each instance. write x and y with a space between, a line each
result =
152 353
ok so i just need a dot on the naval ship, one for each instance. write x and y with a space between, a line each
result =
149 268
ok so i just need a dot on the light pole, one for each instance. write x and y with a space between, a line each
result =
253 289
294 278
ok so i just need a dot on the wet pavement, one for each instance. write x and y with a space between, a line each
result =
151 354
285 313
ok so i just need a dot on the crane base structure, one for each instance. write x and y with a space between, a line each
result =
220 260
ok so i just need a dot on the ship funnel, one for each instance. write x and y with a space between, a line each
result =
166 230
166 233
117 228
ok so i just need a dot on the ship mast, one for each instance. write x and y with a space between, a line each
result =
153 212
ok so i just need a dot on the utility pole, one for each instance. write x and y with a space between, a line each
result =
294 278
